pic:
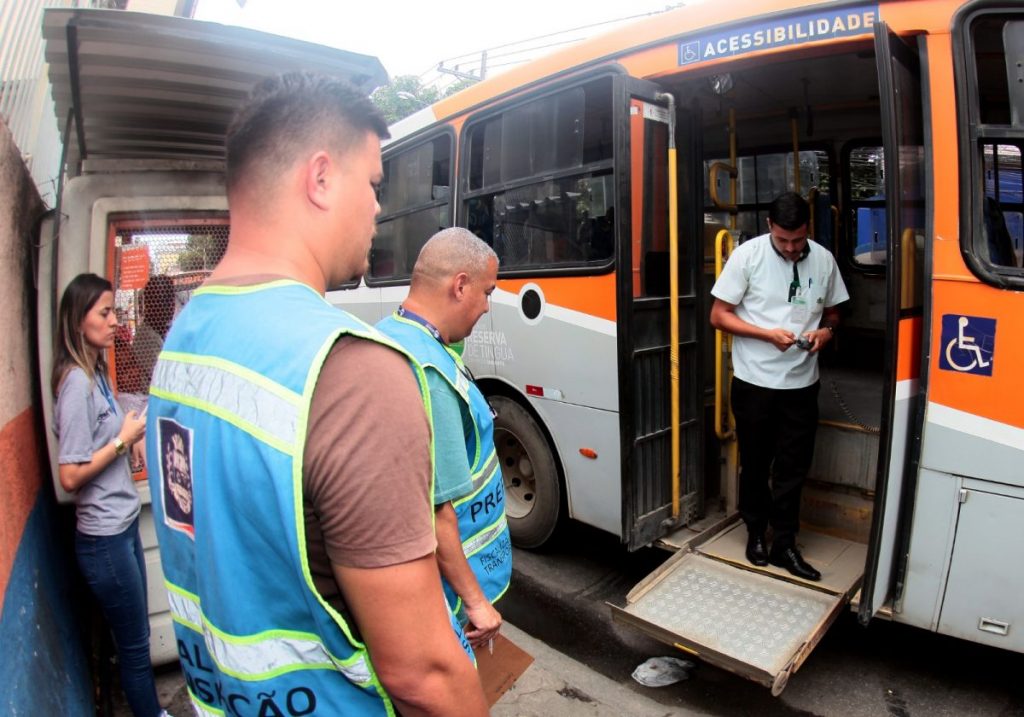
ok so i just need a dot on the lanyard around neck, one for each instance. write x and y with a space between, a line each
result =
413 316
105 390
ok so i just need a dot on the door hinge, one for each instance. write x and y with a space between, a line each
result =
963 495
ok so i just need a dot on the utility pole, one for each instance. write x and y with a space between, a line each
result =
466 75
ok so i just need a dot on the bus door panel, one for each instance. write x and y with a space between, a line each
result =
899 78
643 194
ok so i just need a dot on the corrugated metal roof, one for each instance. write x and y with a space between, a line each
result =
141 86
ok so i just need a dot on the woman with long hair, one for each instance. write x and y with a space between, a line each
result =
95 437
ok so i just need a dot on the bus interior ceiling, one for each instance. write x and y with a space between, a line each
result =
832 99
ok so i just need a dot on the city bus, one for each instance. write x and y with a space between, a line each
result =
613 179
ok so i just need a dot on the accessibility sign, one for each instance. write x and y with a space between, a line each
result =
968 344
780 32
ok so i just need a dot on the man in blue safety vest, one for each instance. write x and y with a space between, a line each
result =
452 281
300 566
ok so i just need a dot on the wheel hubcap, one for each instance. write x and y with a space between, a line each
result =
517 472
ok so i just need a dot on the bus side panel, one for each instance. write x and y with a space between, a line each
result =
565 361
931 542
594 485
362 302
975 421
569 354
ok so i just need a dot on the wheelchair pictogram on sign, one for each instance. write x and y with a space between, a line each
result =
968 344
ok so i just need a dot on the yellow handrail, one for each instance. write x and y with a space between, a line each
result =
673 281
713 171
722 429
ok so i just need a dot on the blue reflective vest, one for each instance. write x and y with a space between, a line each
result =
225 441
481 513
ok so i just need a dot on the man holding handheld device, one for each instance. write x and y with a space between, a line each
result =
778 295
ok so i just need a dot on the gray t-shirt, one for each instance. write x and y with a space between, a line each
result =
85 422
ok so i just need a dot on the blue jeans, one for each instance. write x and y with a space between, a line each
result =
114 568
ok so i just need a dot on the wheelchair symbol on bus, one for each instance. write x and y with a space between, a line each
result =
968 344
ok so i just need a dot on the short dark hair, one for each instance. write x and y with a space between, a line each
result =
286 113
789 210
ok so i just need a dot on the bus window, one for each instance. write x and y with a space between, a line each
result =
1003 204
866 182
414 204
539 181
762 177
993 235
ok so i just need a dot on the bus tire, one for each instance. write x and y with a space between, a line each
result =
533 491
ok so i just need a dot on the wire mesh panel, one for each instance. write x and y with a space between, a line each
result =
157 264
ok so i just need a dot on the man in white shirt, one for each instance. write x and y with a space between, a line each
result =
778 296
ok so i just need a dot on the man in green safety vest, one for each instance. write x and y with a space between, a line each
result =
454 275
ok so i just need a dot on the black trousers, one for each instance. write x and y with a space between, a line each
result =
775 429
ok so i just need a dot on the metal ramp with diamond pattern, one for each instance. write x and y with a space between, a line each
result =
757 622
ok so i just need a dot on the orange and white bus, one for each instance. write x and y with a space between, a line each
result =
612 180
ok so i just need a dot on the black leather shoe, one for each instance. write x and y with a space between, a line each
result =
790 559
757 550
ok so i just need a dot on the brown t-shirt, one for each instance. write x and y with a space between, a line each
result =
366 466
367 473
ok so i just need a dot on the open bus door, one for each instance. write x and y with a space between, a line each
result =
762 623
899 80
652 505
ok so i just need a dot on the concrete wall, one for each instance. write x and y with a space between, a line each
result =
43 665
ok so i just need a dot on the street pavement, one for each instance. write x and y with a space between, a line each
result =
553 684
562 595
583 660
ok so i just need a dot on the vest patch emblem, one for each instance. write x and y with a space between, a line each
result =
175 443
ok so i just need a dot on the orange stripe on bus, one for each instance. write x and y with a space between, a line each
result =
908 362
593 295
945 146
997 397
19 466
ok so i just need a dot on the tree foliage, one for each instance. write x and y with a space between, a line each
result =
202 251
402 96
405 94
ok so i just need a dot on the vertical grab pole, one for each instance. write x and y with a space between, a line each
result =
733 221
734 175
723 426
794 126
673 261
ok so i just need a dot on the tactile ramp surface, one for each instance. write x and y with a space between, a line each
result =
757 620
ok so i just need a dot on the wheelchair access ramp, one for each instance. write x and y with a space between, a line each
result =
760 623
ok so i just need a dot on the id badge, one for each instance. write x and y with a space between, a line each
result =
798 312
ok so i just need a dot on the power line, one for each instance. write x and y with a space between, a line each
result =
476 57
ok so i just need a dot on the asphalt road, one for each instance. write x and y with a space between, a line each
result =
560 594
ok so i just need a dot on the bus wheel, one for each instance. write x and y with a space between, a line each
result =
533 494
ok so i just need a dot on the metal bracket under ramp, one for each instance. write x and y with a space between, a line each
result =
760 623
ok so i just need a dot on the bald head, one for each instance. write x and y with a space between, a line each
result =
447 253
452 282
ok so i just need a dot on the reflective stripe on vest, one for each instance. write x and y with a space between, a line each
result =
265 655
475 543
480 478
203 710
243 398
